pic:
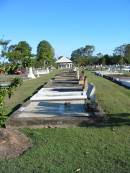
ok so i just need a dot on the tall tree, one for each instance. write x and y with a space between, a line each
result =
4 45
99 55
120 50
20 53
88 50
81 53
123 54
127 53
45 53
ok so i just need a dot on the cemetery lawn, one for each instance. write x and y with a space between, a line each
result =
114 99
22 93
83 150
102 149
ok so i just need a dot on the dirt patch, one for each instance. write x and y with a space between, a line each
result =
13 143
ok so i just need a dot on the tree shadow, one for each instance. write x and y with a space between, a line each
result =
109 120
119 119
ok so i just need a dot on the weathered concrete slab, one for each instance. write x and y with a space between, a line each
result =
55 96
59 113
53 108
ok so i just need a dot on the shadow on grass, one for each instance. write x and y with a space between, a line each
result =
14 109
117 119
109 120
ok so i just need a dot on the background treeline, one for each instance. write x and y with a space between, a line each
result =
20 55
84 56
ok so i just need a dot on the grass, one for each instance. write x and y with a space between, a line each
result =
84 150
126 74
89 150
25 91
114 99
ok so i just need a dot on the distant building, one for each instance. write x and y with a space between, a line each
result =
64 62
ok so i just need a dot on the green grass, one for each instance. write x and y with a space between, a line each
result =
114 99
92 150
105 149
26 90
7 78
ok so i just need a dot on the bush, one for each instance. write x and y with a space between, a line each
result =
3 93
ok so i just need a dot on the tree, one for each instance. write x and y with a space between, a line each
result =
121 61
88 50
20 54
4 44
102 61
120 50
99 55
45 53
4 91
127 53
24 51
93 60
81 53
123 53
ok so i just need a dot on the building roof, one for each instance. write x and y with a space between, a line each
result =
63 60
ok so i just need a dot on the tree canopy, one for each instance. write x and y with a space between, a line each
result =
45 53
84 56
20 53
81 55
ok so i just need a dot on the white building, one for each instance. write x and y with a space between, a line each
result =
64 62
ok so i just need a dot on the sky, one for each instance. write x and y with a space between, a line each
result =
66 24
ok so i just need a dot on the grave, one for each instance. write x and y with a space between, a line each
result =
119 79
125 82
59 104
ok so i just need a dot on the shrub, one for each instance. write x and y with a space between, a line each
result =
8 91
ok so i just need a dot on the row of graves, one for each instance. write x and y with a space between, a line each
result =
116 75
65 101
30 73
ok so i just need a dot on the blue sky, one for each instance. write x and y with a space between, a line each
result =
66 24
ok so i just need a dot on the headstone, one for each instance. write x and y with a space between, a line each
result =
47 70
37 73
78 74
30 73
81 79
91 92
85 87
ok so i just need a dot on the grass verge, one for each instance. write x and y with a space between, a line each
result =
113 98
84 150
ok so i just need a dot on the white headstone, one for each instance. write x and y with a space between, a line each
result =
78 74
30 73
47 70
